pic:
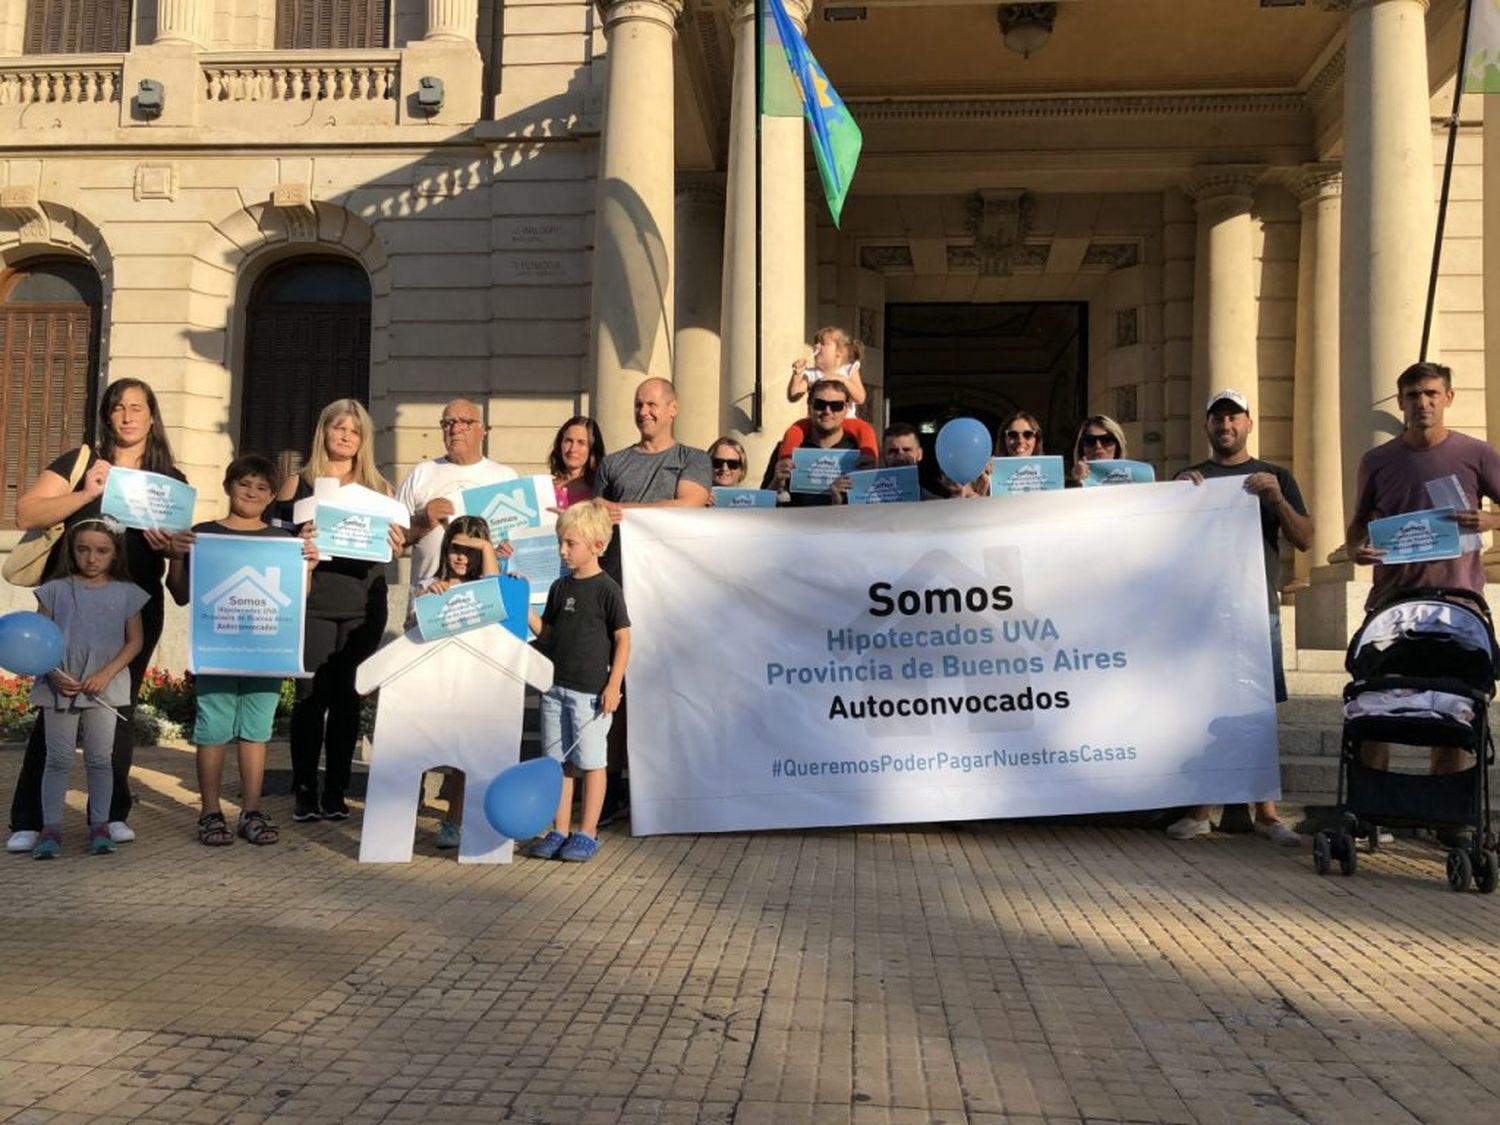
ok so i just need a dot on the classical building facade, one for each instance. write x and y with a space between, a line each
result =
259 205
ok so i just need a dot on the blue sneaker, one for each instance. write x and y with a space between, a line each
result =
99 841
48 845
578 849
548 846
448 834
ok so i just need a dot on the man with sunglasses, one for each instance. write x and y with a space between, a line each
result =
428 489
1228 425
827 406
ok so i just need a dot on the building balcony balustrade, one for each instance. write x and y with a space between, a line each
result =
61 80
301 76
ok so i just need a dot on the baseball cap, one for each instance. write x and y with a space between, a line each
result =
1227 395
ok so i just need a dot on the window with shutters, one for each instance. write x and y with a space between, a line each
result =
49 361
321 25
308 343
70 27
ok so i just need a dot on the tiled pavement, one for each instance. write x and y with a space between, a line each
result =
983 974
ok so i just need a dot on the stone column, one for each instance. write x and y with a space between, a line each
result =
1317 458
452 19
633 223
698 309
1224 298
783 264
188 22
1388 194
1491 192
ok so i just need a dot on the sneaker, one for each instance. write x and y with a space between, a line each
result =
101 840
578 849
305 806
548 846
48 844
1188 827
334 808
449 835
22 841
120 832
1278 833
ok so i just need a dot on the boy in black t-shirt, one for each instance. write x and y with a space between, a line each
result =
585 631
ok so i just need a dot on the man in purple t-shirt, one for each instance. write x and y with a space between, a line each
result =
1393 479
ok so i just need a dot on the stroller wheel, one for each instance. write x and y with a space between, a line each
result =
1460 870
1487 872
1348 858
1322 853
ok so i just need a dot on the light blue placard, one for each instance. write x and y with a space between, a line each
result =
148 501
248 597
744 498
1025 474
505 506
343 534
536 560
1424 536
469 605
885 486
1118 472
813 470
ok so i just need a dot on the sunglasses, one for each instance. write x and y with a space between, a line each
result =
834 405
1099 439
1017 435
726 462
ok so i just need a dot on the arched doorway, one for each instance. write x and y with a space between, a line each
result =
49 363
308 343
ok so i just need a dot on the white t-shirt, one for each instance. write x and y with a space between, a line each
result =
440 477
840 373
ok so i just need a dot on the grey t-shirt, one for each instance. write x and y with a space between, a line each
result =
629 476
92 620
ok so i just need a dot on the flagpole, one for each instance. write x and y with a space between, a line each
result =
1442 212
756 417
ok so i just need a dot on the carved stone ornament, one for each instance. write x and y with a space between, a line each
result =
999 221
886 259
23 211
293 203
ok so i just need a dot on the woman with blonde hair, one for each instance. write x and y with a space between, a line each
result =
1100 438
346 616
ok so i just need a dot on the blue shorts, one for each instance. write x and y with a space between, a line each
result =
570 716
234 708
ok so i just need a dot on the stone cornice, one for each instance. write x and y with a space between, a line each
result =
1326 80
1085 106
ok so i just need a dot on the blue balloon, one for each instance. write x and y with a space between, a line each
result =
963 449
523 799
30 644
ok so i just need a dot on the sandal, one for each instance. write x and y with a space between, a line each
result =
213 830
257 829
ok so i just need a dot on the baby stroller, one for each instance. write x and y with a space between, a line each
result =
1424 666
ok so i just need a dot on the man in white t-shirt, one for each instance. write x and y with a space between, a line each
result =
428 489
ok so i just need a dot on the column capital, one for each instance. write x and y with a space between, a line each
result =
452 20
1355 5
1312 182
742 12
1223 183
663 12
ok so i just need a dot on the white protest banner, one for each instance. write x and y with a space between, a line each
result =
1041 654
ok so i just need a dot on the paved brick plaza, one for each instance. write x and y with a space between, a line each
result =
986 974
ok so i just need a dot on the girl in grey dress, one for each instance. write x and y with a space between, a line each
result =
98 609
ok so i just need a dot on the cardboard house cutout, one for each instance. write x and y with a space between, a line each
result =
456 702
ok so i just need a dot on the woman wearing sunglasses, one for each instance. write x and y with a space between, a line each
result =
1020 436
1099 439
727 457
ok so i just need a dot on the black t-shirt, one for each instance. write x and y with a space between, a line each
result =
342 589
1270 523
807 499
145 567
583 615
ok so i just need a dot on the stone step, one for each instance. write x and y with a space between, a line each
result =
1315 660
1320 683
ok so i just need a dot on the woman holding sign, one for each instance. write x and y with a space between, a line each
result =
1100 438
346 616
577 449
69 490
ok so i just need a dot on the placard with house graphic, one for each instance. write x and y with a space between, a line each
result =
247 602
885 486
1412 537
469 605
345 534
1025 474
509 505
149 501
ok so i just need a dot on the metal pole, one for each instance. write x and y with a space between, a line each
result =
1442 212
756 416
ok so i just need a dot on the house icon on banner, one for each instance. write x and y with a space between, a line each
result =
248 601
508 509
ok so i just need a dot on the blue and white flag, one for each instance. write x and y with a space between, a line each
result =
1025 474
813 470
148 501
343 534
1413 537
509 505
744 498
469 605
247 600
1118 472
885 486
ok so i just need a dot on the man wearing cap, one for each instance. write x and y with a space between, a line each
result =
1228 425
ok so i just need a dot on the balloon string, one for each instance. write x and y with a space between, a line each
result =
579 739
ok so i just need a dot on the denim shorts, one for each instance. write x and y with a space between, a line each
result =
234 708
570 716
